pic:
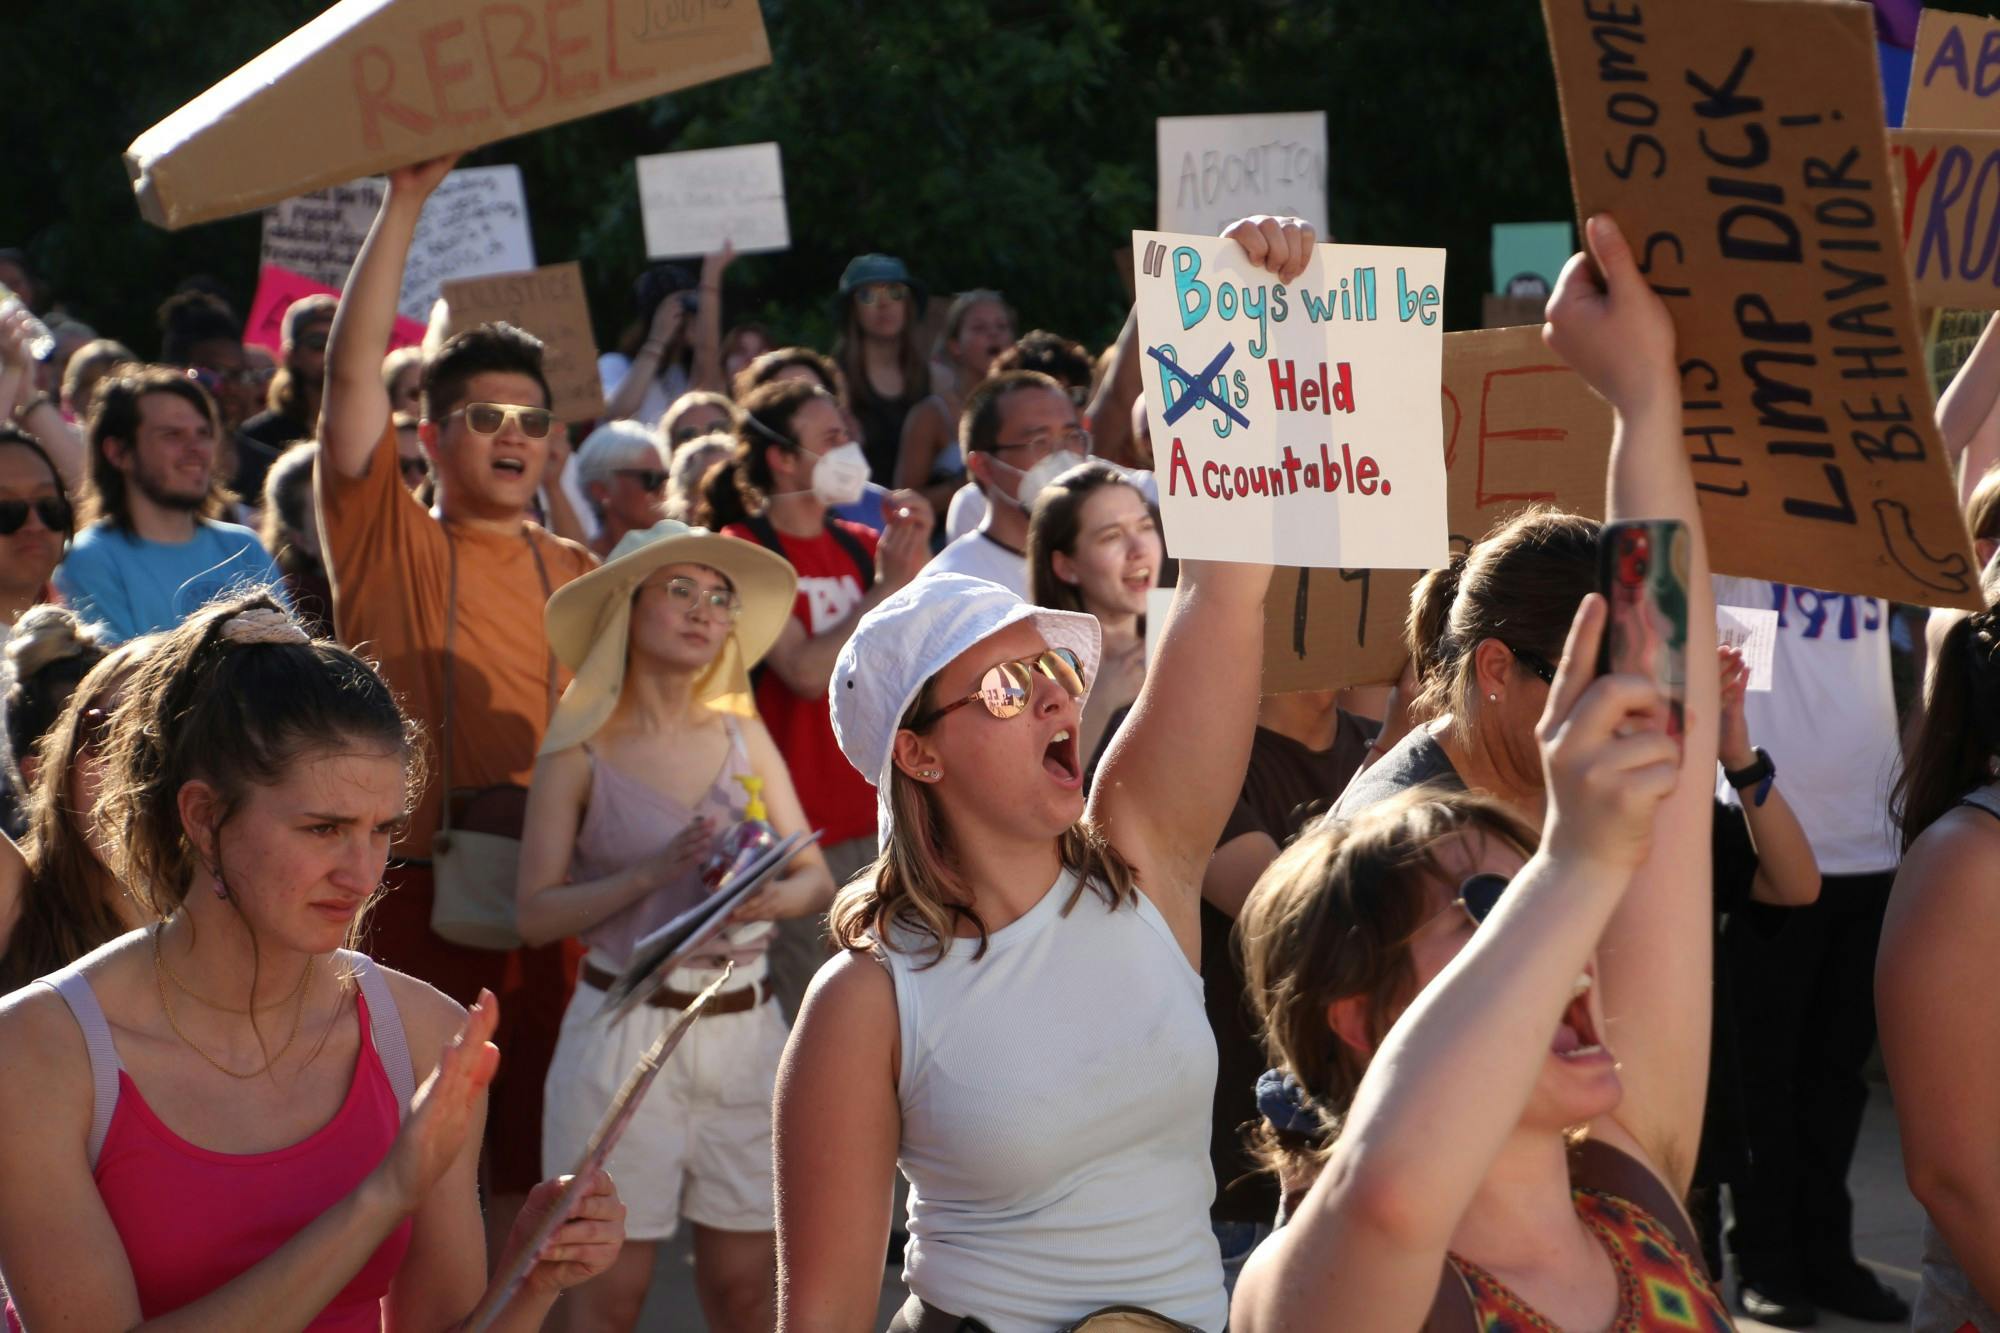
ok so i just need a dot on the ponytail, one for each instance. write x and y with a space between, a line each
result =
1429 622
741 488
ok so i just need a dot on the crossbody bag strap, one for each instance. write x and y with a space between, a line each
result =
542 573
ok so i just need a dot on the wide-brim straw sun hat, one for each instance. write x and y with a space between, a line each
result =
590 622
912 636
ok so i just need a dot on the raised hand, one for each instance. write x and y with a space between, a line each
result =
1609 325
441 1117
419 179
1283 246
906 539
18 328
1607 761
583 1246
1734 749
667 321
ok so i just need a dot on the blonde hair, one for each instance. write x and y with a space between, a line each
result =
1331 919
916 890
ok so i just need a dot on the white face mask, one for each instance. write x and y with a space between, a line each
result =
1039 477
840 477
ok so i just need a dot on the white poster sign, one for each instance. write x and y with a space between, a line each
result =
1296 424
475 224
1752 631
692 202
1215 169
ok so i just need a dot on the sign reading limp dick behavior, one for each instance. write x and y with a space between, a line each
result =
1295 424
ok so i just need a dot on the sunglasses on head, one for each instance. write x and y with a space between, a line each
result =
882 291
53 510
489 418
1005 689
649 479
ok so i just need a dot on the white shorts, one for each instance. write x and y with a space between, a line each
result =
699 1146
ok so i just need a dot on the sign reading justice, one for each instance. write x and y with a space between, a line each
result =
1755 188
1295 425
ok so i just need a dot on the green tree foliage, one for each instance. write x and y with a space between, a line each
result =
988 142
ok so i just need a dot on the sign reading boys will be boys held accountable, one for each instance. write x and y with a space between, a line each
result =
1295 424
1755 189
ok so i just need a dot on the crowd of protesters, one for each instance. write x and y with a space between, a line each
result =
358 728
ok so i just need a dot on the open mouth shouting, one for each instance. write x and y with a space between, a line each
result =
508 466
1577 1040
1060 760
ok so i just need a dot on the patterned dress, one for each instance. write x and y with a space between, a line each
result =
1660 1288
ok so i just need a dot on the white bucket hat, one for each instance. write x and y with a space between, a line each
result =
590 622
912 636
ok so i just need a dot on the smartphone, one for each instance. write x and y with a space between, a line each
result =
1642 570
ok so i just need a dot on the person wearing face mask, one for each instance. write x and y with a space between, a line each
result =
794 462
1020 431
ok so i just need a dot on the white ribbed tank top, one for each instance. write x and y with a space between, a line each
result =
1056 1096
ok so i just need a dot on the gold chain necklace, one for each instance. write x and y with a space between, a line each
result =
159 982
181 986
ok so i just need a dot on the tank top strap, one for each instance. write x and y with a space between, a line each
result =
385 1030
739 749
1986 798
75 990
1596 1165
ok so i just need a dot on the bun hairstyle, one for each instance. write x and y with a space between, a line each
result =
51 651
1521 585
233 697
742 488
1331 919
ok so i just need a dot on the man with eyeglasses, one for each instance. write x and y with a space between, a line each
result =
295 394
1019 430
449 602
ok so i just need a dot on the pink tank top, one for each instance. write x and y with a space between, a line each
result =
192 1220
628 821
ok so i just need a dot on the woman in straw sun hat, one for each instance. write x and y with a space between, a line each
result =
639 773
1016 1019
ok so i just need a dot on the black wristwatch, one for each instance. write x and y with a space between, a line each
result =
1759 774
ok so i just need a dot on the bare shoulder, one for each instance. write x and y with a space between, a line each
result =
43 1061
430 1018
1956 853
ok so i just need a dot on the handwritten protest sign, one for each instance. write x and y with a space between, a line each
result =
1528 257
1520 429
1949 342
1295 425
474 223
278 288
1755 188
382 85
549 303
1949 184
692 202
1215 169
1955 75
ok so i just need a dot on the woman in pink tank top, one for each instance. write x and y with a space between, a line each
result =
637 777
234 1143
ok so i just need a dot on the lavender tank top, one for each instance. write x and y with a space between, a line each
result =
628 821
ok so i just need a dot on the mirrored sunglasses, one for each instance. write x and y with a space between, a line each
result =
1006 689
490 418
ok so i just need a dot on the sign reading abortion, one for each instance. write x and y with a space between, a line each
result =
1295 424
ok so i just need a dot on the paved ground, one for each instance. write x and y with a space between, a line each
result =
1888 1236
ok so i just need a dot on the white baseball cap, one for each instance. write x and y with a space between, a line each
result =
912 636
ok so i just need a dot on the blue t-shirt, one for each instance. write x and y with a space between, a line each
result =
128 586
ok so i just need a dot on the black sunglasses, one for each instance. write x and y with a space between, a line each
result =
414 470
648 478
1536 663
52 510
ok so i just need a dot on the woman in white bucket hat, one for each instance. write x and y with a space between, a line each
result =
1016 1019
637 775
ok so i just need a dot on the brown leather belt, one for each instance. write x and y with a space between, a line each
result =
740 1000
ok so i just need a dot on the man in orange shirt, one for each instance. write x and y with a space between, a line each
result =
450 604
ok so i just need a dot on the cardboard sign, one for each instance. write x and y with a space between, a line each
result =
278 288
549 303
371 85
1520 429
1755 188
691 203
1949 184
474 223
1506 312
1524 252
1216 169
1955 76
1295 425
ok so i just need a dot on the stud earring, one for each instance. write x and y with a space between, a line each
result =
929 775
1493 698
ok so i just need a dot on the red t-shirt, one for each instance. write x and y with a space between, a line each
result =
838 801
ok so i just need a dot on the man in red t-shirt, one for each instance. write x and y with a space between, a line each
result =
844 571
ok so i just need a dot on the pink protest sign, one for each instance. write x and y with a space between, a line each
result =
278 287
